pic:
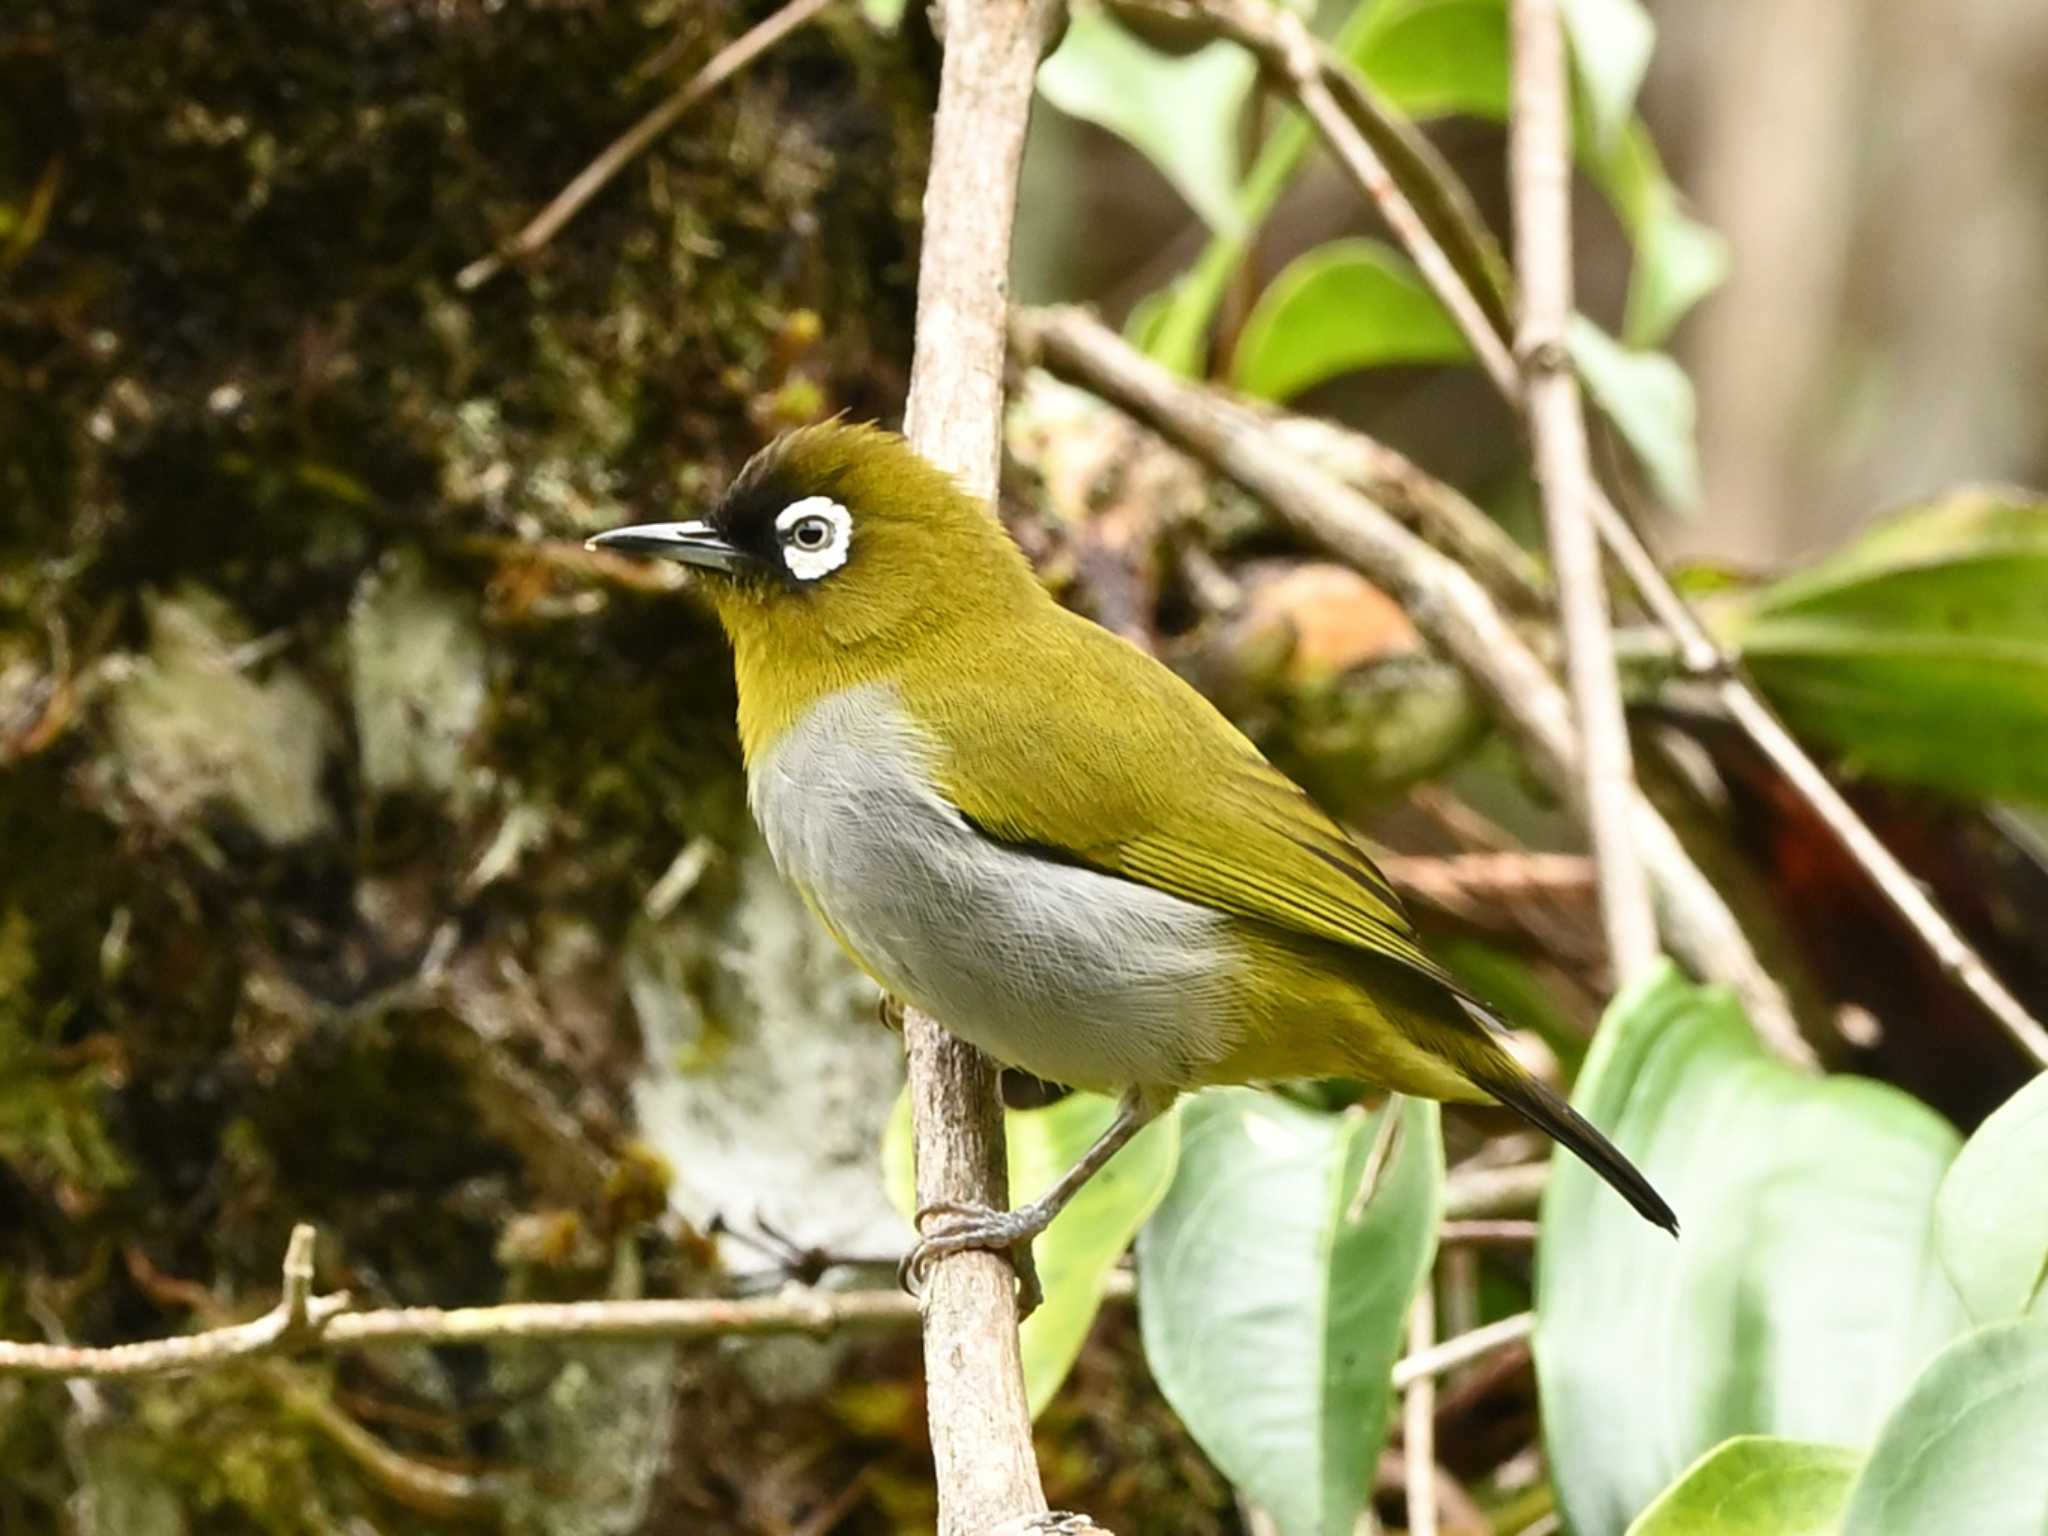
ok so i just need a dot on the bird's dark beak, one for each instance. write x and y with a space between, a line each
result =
693 543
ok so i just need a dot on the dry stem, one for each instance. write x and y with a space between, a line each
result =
1539 169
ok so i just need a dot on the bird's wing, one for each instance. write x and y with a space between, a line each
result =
1152 784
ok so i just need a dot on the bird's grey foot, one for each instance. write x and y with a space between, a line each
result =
959 1228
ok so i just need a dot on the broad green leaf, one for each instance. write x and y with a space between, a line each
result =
1754 1485
1347 305
1968 1448
1077 1252
1437 58
1611 43
1991 1217
1921 651
1273 1299
1180 113
1804 1292
1650 401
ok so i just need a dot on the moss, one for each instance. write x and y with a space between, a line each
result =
290 884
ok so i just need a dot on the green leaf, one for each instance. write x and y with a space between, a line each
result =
1611 43
1273 1301
883 15
1964 1451
1084 1242
1436 58
1076 1254
1180 113
1347 305
1679 261
1804 1292
1650 401
1921 652
1991 1217
1754 1485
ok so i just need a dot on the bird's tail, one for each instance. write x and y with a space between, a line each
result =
1535 1101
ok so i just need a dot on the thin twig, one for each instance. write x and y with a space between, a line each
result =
1440 1359
1283 39
1266 29
298 1316
1418 1417
328 1326
630 145
1539 175
1488 1234
1702 656
974 1382
1482 1194
1440 513
1465 882
1447 604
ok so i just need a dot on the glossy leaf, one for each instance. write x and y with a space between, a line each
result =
1754 1485
1180 113
1650 401
1991 1216
1968 1448
1611 43
1921 651
1347 305
1077 1252
1273 1300
1803 1294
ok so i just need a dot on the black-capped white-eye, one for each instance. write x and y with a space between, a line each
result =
814 534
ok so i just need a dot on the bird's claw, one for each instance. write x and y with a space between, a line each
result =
963 1228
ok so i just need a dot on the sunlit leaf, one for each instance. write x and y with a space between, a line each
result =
883 15
1611 43
1650 401
1754 1485
1921 651
1803 1294
1437 58
1964 1451
1273 1299
1181 113
1347 305
1991 1217
1077 1252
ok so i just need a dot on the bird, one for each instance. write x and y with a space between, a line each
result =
1041 836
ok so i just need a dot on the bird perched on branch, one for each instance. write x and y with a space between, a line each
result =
1023 825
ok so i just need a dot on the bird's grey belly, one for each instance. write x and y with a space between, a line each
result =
1076 976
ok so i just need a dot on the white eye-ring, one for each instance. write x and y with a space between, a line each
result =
814 534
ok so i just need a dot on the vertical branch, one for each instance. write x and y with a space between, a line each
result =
1539 173
1418 1418
980 1425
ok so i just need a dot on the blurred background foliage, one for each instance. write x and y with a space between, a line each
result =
369 855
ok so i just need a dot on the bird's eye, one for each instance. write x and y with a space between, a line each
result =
815 533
